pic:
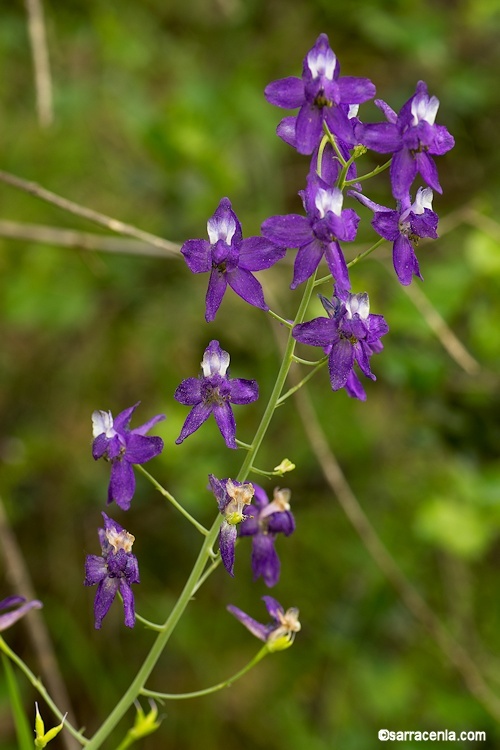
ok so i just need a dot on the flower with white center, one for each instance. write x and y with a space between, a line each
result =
213 393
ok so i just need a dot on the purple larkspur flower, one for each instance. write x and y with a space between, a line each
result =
320 94
263 520
412 137
404 227
18 607
232 498
213 393
122 447
229 258
349 335
317 234
114 571
280 633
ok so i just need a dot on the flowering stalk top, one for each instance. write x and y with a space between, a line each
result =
8 618
213 393
350 334
321 95
229 258
263 520
114 441
277 635
233 497
114 571
413 137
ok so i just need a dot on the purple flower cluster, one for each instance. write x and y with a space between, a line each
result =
328 129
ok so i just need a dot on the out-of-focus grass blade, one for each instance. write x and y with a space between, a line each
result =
23 729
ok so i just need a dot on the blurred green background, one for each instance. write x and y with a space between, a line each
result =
158 113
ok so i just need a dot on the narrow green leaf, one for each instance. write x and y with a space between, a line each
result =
23 728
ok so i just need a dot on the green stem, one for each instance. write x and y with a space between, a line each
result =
304 380
377 170
38 685
204 555
281 320
214 688
172 500
366 252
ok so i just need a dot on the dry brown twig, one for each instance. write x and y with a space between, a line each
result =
41 65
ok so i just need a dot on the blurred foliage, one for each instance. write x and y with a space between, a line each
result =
159 112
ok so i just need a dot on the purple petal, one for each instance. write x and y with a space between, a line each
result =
227 540
11 601
354 388
218 487
382 137
386 224
105 594
308 128
189 392
355 90
197 254
318 332
256 628
225 422
128 603
250 525
247 287
273 607
100 446
121 484
265 561
216 287
121 422
243 391
307 260
142 448
282 522
367 202
9 618
95 570
286 92
290 230
426 165
388 111
198 414
443 141
341 125
148 425
404 260
286 131
258 253
340 363
337 266
402 171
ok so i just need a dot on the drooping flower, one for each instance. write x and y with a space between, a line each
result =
412 137
114 571
349 335
317 234
322 97
114 441
404 227
12 603
278 634
263 521
232 499
230 259
213 393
